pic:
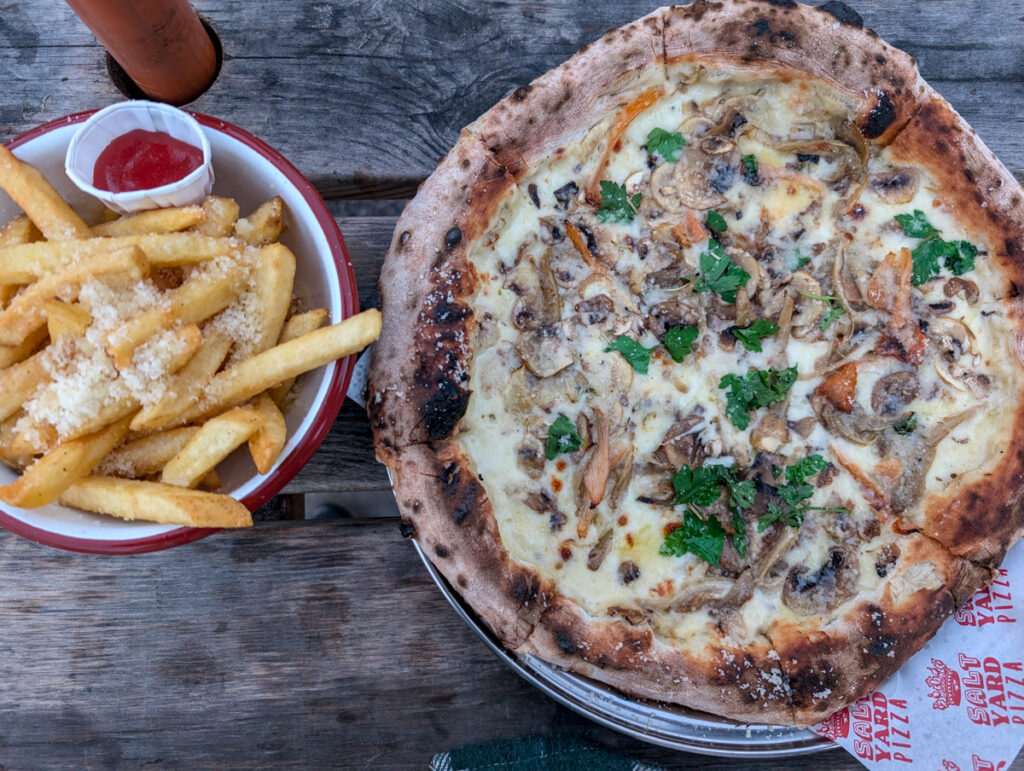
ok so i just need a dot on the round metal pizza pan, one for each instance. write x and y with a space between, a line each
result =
666 725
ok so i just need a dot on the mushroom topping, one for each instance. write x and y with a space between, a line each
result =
819 592
545 351
700 594
530 457
628 571
953 337
894 391
955 285
671 313
857 426
595 474
770 434
596 310
895 187
697 181
752 577
808 308
680 447
600 550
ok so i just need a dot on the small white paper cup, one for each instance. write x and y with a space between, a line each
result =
111 122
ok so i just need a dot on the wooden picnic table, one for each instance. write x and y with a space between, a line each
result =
324 643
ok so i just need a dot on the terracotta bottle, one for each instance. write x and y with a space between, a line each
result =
161 44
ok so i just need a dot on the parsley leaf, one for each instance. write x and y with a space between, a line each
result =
739 536
809 466
716 222
750 169
794 493
695 536
751 336
719 274
962 260
562 437
926 259
957 256
638 356
741 494
666 143
907 425
916 225
699 486
758 388
679 342
616 205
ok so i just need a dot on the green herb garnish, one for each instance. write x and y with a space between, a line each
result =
916 225
716 222
679 342
616 205
696 536
750 169
638 356
957 256
751 336
739 536
719 274
756 389
794 493
907 425
562 437
667 144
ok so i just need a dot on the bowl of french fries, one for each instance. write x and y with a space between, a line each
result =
164 373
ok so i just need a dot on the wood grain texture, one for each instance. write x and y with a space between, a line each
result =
325 645
365 96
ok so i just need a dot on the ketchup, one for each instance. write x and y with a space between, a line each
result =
141 160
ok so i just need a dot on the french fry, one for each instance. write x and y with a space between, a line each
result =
65 318
217 439
61 467
274 280
155 502
20 230
196 300
264 225
20 382
12 354
211 481
30 190
25 263
26 312
221 215
34 439
267 443
186 387
148 454
169 220
298 325
246 379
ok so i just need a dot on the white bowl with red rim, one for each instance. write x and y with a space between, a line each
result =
250 171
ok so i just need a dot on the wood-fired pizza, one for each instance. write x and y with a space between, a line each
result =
701 370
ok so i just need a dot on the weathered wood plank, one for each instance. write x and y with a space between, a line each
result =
365 96
321 646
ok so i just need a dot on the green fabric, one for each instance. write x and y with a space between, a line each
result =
562 752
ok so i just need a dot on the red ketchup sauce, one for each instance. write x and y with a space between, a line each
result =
141 160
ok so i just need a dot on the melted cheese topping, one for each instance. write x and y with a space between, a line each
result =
816 220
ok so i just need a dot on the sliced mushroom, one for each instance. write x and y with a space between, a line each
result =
819 592
672 313
894 391
953 337
596 310
699 594
807 309
753 576
597 553
896 186
955 285
770 434
749 264
530 457
681 447
545 351
857 426
955 374
744 310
